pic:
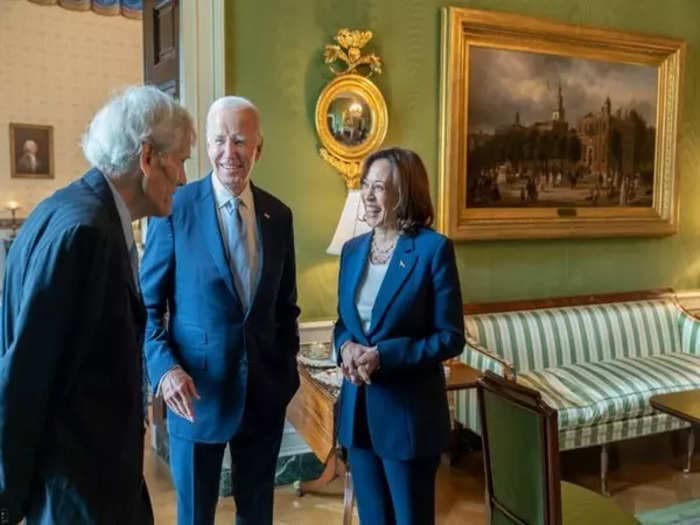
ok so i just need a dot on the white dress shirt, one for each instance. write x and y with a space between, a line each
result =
247 211
125 220
372 279
222 196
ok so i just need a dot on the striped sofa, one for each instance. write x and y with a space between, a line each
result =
597 364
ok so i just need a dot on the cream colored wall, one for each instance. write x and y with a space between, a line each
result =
57 67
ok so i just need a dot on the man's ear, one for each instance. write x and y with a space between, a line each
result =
147 158
258 150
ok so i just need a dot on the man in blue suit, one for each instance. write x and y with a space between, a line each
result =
222 268
71 407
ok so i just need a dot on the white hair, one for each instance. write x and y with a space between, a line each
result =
112 142
29 142
231 102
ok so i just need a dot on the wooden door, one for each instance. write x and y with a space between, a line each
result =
161 66
161 26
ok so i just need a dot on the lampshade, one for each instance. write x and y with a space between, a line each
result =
349 224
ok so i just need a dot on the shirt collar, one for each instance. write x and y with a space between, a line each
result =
223 195
123 211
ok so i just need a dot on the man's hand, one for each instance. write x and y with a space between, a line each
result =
178 391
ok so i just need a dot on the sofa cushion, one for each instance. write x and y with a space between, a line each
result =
551 337
586 394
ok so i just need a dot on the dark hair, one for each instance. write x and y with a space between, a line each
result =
413 208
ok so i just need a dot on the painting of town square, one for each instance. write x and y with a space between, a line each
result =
553 131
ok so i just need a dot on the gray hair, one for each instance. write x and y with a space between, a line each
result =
112 142
231 102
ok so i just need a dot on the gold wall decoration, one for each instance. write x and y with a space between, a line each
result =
554 130
351 113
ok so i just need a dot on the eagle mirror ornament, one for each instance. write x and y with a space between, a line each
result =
351 113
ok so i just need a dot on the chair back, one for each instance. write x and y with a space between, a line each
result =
521 454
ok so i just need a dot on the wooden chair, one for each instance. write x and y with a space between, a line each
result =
521 460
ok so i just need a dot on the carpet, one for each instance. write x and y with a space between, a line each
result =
687 513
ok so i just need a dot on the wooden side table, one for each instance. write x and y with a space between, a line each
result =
312 413
462 377
684 405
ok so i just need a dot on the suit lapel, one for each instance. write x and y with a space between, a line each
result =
355 264
95 179
400 268
266 233
211 233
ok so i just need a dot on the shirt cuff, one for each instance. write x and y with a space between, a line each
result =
163 377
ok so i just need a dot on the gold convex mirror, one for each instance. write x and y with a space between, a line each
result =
351 113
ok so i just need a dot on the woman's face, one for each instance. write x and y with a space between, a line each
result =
379 195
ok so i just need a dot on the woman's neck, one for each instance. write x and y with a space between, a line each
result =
384 234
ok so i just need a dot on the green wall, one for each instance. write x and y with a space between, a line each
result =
274 54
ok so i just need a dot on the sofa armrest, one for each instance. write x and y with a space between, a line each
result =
480 358
690 333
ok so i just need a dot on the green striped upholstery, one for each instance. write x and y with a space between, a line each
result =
479 360
597 365
588 394
537 339
619 430
690 334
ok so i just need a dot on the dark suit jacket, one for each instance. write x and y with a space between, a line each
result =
71 411
416 324
234 358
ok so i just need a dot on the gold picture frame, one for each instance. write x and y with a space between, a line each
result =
31 151
609 172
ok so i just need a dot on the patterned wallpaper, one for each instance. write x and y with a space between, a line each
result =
58 67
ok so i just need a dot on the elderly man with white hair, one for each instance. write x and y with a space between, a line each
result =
71 409
28 161
223 266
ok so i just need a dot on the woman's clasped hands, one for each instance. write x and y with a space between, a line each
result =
359 362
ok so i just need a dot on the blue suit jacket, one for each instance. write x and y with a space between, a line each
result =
71 410
417 323
235 359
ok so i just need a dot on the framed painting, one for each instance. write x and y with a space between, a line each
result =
31 151
553 130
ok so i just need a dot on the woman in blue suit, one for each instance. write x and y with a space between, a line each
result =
399 317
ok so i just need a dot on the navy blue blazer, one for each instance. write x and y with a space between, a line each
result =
416 324
235 358
71 409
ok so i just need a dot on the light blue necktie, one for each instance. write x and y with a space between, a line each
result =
239 258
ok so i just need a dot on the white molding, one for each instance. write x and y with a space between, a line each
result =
202 70
316 331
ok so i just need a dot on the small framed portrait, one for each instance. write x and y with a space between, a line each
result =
31 151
